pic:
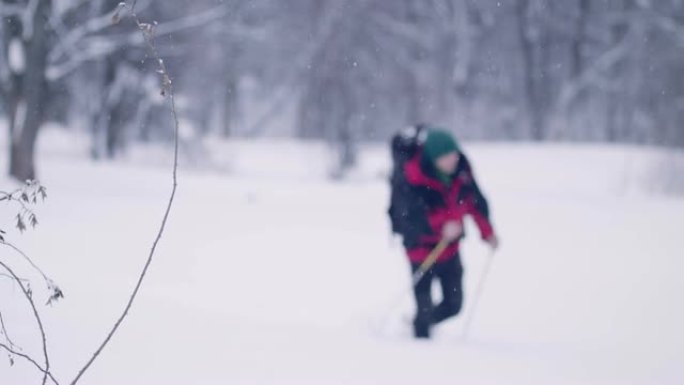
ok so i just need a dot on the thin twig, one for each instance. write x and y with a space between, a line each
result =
27 294
28 259
5 195
28 358
3 331
167 89
9 195
24 197
12 278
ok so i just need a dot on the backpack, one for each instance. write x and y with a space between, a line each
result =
404 145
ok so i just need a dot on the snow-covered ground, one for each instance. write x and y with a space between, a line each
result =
271 274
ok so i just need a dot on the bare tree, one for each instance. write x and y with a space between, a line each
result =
43 45
26 47
526 69
33 190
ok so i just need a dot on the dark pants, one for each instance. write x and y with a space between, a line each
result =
449 274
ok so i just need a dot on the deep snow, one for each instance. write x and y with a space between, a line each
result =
271 274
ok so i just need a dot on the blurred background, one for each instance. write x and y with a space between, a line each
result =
278 265
345 72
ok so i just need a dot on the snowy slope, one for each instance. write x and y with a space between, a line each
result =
270 274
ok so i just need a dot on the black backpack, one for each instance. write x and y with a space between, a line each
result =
404 146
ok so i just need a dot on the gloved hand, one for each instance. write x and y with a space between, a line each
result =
493 241
452 230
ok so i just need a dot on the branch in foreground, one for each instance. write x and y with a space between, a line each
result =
55 292
167 90
29 298
25 196
28 358
3 331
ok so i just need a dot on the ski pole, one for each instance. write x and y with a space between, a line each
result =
429 262
478 294
417 276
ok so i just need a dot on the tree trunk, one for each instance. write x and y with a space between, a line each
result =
11 26
99 108
32 95
527 47
616 106
578 42
230 106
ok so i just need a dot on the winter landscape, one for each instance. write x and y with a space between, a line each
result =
274 274
277 263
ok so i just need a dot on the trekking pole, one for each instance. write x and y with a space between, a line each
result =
478 294
417 276
429 262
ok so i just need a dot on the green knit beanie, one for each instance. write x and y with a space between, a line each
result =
439 143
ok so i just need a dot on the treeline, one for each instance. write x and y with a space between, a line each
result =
346 71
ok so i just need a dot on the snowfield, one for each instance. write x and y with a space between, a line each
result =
270 273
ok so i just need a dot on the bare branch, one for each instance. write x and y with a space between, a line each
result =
3 331
573 88
67 44
7 10
29 260
28 358
330 23
668 24
12 278
8 195
29 298
167 89
99 46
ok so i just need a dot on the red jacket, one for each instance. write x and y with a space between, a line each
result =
426 204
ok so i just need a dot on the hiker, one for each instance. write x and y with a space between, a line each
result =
433 189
